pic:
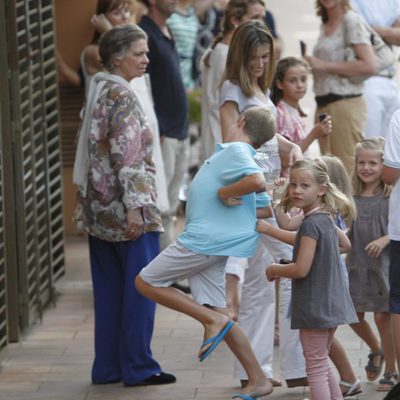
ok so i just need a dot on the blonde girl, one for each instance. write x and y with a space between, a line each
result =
320 297
288 88
368 260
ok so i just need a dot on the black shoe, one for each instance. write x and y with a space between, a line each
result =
182 288
162 378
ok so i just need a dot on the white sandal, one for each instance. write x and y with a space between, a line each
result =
353 388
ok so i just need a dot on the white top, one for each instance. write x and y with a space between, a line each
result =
211 79
232 92
392 159
381 13
141 87
333 48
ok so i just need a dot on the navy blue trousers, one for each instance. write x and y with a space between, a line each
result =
124 319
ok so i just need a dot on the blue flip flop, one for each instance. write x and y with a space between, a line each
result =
215 340
243 396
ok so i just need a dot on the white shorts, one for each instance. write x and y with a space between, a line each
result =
206 274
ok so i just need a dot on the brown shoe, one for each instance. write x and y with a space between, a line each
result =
296 382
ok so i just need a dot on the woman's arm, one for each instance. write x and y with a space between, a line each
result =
229 114
365 64
91 59
390 175
301 267
288 150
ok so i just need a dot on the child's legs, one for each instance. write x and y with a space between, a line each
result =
206 288
321 379
234 274
365 332
257 312
382 320
339 357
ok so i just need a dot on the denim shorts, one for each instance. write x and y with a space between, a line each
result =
394 277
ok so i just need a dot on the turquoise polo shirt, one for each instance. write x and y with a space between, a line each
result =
211 227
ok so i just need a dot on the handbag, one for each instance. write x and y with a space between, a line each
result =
383 54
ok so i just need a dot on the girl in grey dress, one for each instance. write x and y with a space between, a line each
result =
368 260
320 297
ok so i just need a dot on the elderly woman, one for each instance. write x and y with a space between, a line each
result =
117 199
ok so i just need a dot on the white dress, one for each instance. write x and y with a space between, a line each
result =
211 77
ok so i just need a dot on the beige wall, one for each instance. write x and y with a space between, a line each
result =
73 29
74 32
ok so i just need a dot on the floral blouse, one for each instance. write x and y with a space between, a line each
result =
121 171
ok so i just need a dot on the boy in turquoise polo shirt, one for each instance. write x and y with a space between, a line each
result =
220 222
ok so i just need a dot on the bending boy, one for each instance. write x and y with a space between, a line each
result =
220 222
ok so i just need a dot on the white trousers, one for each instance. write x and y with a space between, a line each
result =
175 154
257 313
382 98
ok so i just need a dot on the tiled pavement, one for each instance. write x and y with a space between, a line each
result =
53 360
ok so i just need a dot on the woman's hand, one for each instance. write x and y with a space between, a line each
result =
375 248
100 23
135 224
270 272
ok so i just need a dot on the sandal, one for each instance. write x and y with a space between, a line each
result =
373 371
351 388
387 382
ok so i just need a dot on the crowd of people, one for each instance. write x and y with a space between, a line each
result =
271 235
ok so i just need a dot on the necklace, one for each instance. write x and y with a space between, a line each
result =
314 210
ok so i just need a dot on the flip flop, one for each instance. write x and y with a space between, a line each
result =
243 396
215 340
352 388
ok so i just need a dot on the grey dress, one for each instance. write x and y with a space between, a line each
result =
321 300
369 277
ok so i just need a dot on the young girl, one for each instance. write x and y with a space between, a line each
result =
288 88
368 260
320 298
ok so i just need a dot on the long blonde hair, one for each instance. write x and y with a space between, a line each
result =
375 144
339 176
334 201
247 38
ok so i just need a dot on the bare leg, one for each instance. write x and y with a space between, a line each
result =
382 321
364 331
232 295
395 320
339 357
213 322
